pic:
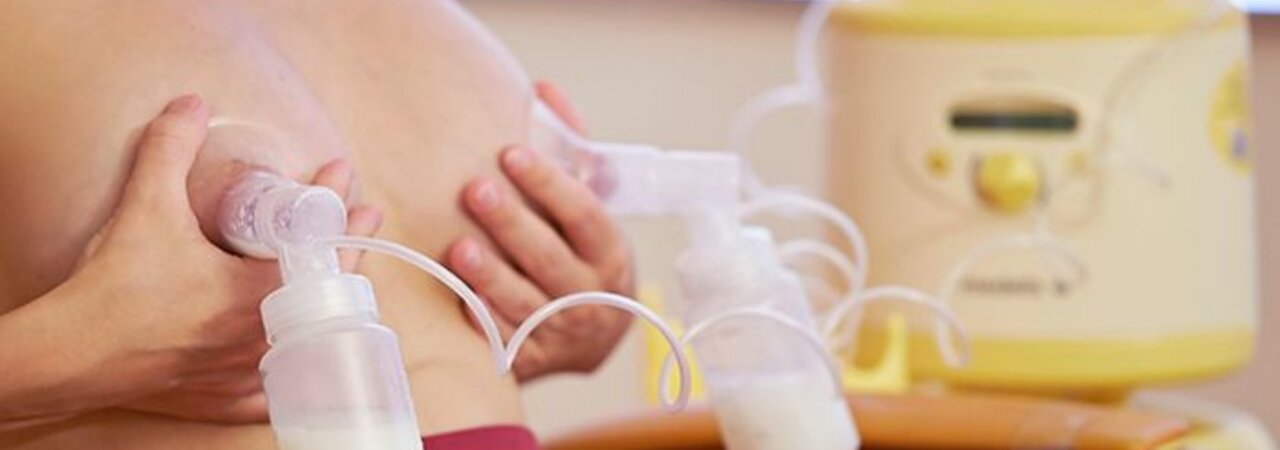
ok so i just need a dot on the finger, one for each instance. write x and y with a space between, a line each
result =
559 104
508 294
236 410
248 409
238 382
205 407
564 341
505 327
591 232
536 247
532 358
336 175
362 220
219 363
165 154
512 297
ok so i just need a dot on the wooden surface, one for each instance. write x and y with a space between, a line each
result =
977 422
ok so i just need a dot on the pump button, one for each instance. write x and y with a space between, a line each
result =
938 162
1007 182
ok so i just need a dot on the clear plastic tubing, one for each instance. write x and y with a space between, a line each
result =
505 356
334 376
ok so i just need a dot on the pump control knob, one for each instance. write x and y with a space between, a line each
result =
1007 182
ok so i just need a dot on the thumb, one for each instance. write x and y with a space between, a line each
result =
165 154
559 104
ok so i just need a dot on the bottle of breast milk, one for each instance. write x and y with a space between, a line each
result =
334 378
769 388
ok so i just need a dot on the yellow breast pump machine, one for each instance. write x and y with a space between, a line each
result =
1071 177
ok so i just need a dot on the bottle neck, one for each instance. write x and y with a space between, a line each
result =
317 300
301 262
304 332
728 266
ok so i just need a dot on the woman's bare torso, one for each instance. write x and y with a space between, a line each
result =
414 92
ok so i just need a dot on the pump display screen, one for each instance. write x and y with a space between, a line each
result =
1013 115
1014 122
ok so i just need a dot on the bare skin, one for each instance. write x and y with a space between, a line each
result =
414 93
147 320
557 241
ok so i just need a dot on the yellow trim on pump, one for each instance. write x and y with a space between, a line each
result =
656 350
1077 366
892 373
1024 18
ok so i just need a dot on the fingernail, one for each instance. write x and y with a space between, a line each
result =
485 197
345 170
517 160
343 166
185 104
469 255
373 214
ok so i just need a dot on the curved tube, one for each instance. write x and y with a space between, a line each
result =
947 324
808 37
1124 88
761 107
808 87
790 251
428 265
505 355
780 201
617 301
1138 165
762 314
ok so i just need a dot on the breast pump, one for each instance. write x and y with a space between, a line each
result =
334 377
771 379
1053 185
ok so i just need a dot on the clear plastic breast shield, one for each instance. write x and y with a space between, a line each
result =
334 376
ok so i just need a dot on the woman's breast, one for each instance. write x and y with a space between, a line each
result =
419 91
417 95
427 99
414 92
83 79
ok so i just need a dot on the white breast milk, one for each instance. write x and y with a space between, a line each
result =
750 416
384 436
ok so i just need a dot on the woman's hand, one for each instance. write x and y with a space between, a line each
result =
158 318
215 375
553 238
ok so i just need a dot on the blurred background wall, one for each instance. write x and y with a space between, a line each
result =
673 72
